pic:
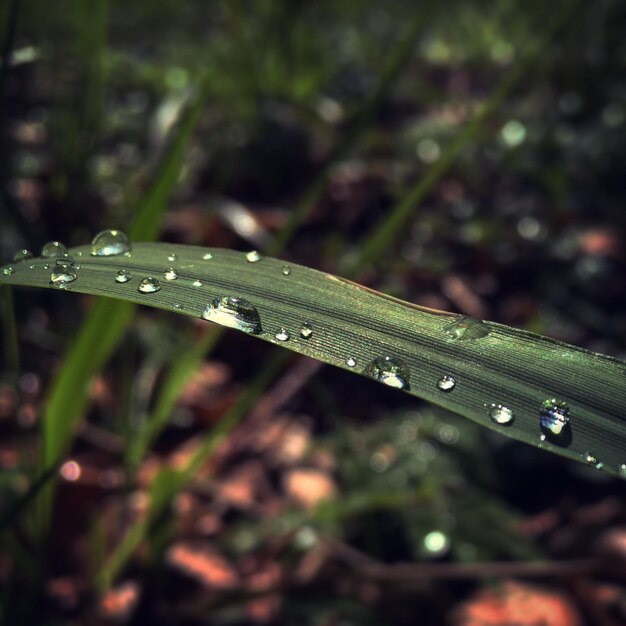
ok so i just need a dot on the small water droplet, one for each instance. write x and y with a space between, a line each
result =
22 255
62 275
178 307
110 243
621 470
554 422
207 257
466 328
351 362
149 285
32 267
172 257
282 334
306 330
446 383
592 460
501 414
253 256
7 270
286 270
123 276
53 249
197 283
64 261
170 274
234 313
390 371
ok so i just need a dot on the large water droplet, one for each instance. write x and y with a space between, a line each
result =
62 275
501 414
7 270
554 422
123 276
110 243
170 274
53 249
282 334
592 460
149 285
306 330
253 256
390 371
446 383
351 362
22 255
234 313
466 328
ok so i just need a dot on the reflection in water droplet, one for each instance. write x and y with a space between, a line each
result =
149 285
53 249
446 383
22 255
592 460
170 274
286 270
351 362
234 313
466 328
306 330
123 276
501 414
282 334
390 371
172 257
207 257
253 256
110 243
554 422
7 270
62 275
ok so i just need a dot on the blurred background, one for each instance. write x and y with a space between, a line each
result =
484 143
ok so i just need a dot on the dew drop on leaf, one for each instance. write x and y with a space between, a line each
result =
282 334
22 255
466 328
110 243
592 460
149 285
170 274
253 256
351 362
446 383
286 270
390 371
234 313
172 257
61 276
554 422
197 283
501 414
306 330
207 257
53 249
7 270
123 276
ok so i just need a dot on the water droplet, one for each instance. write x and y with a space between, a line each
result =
621 470
554 422
446 383
592 460
234 313
282 334
466 328
53 249
22 255
149 285
178 307
351 362
64 261
170 274
253 256
286 270
110 243
172 257
306 330
501 414
207 257
61 276
7 270
197 283
123 276
390 371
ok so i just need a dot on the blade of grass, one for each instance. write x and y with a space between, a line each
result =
493 366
